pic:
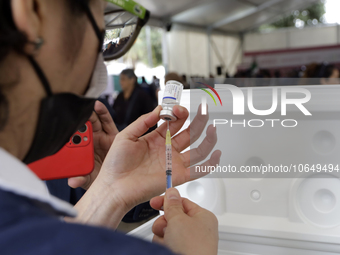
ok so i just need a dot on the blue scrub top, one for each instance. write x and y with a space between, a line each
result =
30 227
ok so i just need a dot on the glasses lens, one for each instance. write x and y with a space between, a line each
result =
120 29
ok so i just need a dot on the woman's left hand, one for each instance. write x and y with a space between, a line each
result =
104 133
134 168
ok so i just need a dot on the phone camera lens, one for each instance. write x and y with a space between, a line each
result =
76 139
83 129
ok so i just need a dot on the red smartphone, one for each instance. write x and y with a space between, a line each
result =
76 158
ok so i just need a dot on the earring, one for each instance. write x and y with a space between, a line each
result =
38 43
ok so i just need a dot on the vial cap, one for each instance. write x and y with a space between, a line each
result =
167 115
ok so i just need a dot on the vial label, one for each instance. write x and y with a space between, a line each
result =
171 97
172 93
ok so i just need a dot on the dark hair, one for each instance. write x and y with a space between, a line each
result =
323 70
12 40
173 76
130 73
326 70
311 70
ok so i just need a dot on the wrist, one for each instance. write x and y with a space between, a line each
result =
101 206
123 191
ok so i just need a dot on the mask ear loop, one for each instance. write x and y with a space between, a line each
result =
37 45
41 75
100 34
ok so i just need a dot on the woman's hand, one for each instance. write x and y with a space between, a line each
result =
104 133
185 227
134 168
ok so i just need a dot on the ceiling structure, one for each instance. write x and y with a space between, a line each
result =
226 16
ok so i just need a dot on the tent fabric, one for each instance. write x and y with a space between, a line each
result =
232 16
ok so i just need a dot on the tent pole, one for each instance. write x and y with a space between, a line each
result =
148 45
209 52
165 55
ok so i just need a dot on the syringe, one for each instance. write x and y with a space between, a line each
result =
168 159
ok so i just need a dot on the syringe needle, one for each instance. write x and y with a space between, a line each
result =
168 158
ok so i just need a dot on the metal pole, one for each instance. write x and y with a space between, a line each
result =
148 45
209 51
165 55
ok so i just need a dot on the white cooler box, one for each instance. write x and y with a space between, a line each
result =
270 216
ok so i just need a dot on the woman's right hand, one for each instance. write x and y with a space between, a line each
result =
104 133
185 227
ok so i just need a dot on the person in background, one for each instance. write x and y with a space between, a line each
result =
132 102
155 87
311 70
263 73
325 74
110 49
277 74
150 90
186 85
144 82
155 81
173 77
329 74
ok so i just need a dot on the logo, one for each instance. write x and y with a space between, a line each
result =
213 90
204 100
238 103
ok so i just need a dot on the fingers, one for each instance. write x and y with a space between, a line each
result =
96 125
182 140
157 203
76 182
181 114
142 124
194 172
157 239
158 227
172 204
198 154
101 119
190 207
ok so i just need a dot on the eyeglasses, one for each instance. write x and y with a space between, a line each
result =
123 23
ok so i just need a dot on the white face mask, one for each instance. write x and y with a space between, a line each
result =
99 80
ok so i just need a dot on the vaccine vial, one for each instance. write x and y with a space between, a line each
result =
172 96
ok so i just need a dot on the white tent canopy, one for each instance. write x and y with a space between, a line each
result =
206 34
221 15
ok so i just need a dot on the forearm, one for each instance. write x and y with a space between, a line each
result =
99 206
